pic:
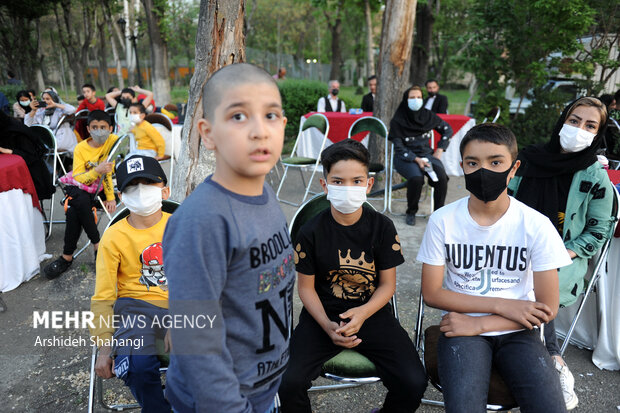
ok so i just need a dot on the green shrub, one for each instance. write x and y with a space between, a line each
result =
487 102
536 124
298 98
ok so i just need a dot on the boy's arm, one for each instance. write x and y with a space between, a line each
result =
149 95
312 304
526 313
378 300
546 289
111 98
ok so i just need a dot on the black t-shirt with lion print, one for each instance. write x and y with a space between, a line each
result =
346 260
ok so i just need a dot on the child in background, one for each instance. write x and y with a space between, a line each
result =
228 256
90 173
131 283
148 140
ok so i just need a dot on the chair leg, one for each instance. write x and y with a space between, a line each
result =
91 385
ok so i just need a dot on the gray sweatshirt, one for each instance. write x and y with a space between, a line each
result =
230 270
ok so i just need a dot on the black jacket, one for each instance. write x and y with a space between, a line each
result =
368 103
440 105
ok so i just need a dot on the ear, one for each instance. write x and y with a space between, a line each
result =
206 136
88 129
110 128
165 193
370 183
513 171
323 184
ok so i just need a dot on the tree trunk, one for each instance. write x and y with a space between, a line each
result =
370 47
101 55
393 66
159 53
422 45
336 31
219 42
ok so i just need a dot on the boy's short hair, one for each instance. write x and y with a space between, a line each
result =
430 81
98 115
494 133
128 90
344 151
228 77
89 85
80 97
372 77
140 107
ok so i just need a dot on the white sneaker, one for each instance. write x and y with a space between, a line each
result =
567 382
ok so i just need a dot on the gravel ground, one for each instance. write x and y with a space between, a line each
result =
55 379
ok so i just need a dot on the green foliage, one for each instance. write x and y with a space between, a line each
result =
487 102
536 125
298 98
10 91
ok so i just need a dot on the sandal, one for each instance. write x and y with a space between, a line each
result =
57 267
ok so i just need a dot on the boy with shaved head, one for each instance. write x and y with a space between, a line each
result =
228 256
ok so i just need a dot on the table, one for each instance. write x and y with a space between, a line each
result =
599 325
339 124
22 234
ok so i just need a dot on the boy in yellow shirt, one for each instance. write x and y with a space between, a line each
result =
90 174
149 140
131 287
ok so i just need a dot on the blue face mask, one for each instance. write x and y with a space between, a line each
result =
414 104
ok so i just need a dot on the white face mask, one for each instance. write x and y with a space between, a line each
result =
142 199
24 103
575 139
414 104
346 199
135 118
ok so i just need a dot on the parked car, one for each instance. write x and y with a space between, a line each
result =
567 86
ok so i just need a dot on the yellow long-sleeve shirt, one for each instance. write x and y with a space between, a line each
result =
85 160
129 264
148 137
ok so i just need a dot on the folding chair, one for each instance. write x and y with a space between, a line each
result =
48 139
116 152
375 125
596 262
81 118
320 122
499 397
164 125
95 388
493 113
348 368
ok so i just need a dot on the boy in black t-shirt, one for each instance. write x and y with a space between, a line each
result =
346 258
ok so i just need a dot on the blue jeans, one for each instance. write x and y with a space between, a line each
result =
464 365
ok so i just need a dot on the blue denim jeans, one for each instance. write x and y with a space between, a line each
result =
464 365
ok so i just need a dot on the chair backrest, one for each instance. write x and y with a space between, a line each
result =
493 113
318 121
160 119
167 205
70 119
45 135
368 124
118 147
82 114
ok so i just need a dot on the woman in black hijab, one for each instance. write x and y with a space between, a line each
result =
563 180
411 129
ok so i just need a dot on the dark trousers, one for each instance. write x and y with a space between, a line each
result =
384 342
551 339
79 215
139 367
464 365
415 180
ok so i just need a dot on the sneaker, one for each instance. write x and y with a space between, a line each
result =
567 381
410 219
57 267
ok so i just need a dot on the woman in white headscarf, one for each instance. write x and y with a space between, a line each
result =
48 113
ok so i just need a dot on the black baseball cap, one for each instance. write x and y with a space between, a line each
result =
138 166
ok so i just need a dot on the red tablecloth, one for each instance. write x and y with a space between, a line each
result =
614 176
14 174
340 123
456 122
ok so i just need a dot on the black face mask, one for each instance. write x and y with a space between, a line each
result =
487 185
431 94
335 92
125 102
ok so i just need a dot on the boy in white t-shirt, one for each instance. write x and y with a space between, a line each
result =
500 259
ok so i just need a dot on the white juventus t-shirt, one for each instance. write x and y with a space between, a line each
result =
496 260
